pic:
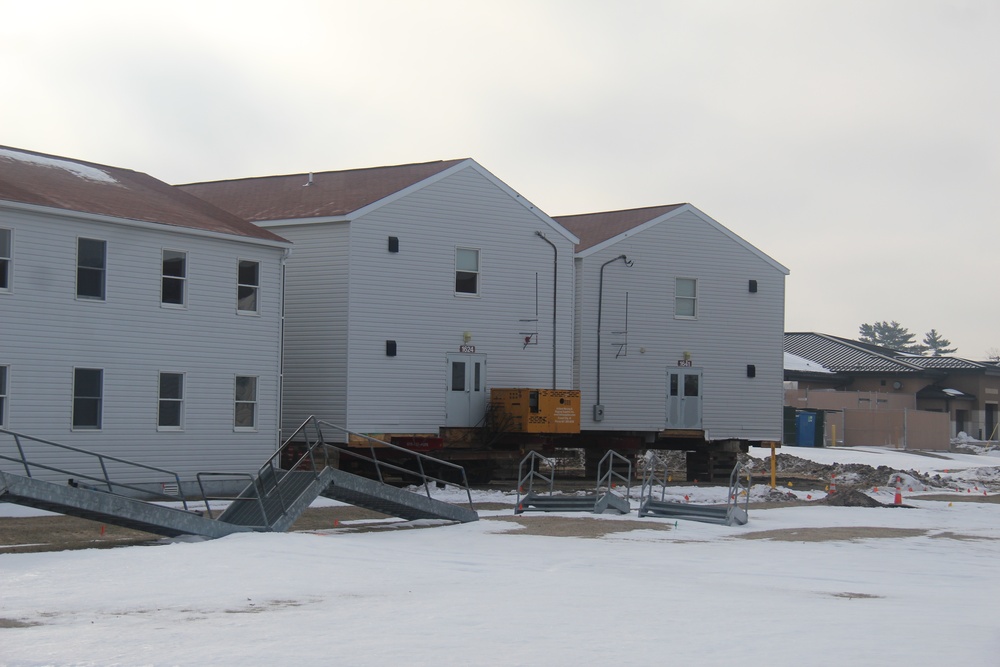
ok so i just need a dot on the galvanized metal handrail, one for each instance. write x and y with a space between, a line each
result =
651 475
608 477
532 474
379 465
735 487
101 459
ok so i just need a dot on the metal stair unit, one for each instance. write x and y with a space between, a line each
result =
734 512
273 498
603 500
380 496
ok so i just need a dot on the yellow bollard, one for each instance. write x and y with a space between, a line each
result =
774 468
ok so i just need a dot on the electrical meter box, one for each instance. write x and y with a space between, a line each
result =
537 410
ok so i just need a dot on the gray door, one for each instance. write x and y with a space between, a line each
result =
466 402
684 398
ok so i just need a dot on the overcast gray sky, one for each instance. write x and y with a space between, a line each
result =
856 142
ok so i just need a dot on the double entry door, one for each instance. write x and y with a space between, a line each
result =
684 398
466 402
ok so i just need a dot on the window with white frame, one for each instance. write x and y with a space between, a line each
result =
6 260
245 411
91 267
248 287
88 395
4 371
466 271
173 286
686 298
170 411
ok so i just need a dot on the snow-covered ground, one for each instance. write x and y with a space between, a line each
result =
487 594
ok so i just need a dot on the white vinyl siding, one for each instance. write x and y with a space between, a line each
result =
346 295
316 316
734 328
408 297
47 333
6 260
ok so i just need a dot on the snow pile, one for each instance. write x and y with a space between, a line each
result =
964 443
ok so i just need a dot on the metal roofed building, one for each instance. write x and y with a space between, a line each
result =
967 391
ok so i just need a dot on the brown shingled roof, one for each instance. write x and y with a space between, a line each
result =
595 228
328 193
73 185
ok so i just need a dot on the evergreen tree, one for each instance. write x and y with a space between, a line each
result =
936 344
892 335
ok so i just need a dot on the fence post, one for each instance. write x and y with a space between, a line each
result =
905 420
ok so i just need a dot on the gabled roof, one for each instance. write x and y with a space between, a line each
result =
50 181
326 194
841 355
599 230
595 228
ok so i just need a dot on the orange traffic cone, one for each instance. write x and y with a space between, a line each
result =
898 500
833 484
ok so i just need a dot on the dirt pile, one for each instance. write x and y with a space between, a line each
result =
860 476
851 498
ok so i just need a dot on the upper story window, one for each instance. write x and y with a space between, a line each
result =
3 396
248 287
6 259
466 271
91 265
173 287
170 410
245 412
686 298
88 395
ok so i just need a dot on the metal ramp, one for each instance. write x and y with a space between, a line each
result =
603 500
109 508
92 491
734 512
380 496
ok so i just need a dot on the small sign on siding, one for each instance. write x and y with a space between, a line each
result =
467 349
